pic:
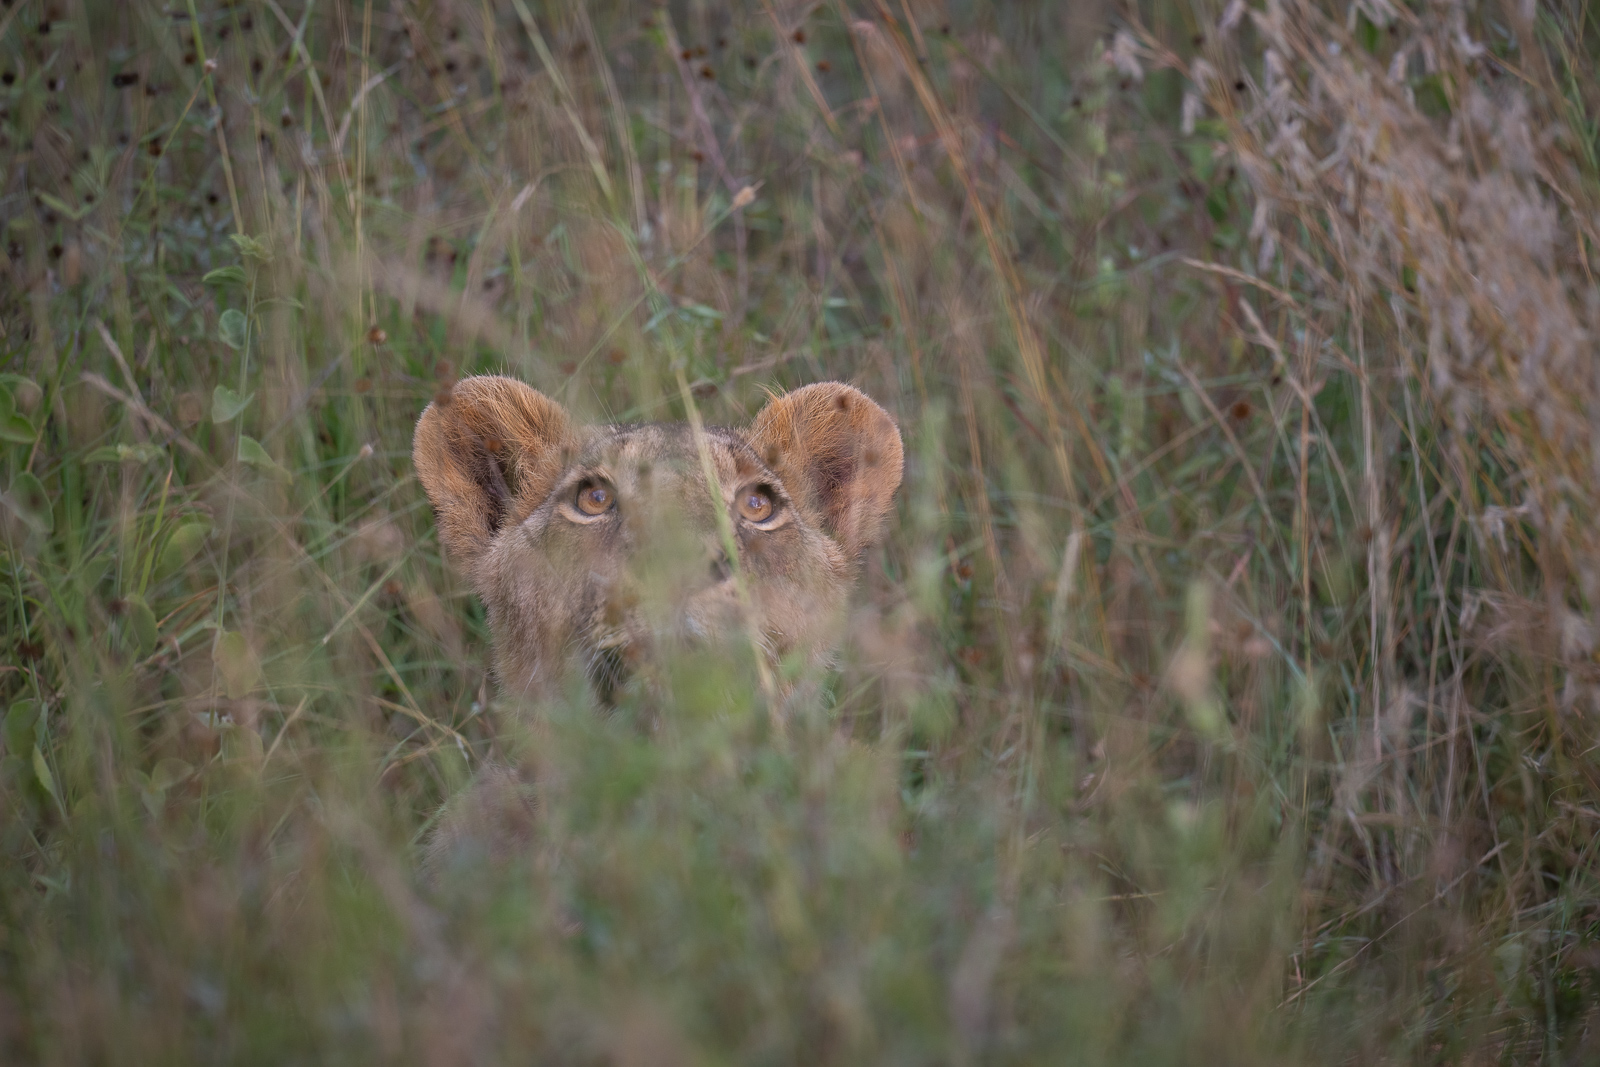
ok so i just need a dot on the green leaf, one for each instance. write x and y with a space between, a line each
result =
162 777
226 404
142 624
29 500
16 429
168 773
251 452
236 664
26 396
1368 33
1432 96
13 425
1192 406
73 213
233 328
46 779
701 311
140 453
254 247
21 720
183 544
1217 203
224 276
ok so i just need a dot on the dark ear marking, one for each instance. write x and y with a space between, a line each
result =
485 449
491 479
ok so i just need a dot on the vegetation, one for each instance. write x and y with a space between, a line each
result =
1226 691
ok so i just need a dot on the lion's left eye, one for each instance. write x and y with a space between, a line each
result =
756 505
595 498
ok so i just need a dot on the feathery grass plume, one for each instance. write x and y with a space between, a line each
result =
1425 189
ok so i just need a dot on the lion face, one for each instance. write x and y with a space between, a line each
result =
596 548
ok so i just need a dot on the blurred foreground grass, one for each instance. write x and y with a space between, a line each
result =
1226 691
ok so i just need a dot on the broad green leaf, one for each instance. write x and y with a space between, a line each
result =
141 624
21 720
13 425
16 429
224 276
233 328
29 500
162 777
251 452
183 544
236 664
226 404
46 779
25 389
168 773
140 453
153 801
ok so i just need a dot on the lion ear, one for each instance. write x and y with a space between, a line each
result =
486 449
839 455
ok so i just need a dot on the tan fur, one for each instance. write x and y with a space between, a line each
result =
570 595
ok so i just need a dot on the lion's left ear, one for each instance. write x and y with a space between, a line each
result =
839 455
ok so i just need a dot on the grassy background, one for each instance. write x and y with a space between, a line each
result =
1225 692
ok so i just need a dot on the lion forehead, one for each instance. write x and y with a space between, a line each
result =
632 452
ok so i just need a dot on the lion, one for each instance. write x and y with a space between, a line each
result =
598 549
591 547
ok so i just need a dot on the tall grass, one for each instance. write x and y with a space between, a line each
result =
1226 687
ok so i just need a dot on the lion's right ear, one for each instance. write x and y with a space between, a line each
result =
487 450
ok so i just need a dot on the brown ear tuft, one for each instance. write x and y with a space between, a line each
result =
486 451
839 454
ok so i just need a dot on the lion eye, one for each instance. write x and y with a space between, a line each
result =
755 505
595 498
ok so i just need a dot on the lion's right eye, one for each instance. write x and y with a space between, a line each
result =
595 498
756 505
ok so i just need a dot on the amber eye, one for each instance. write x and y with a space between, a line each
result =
755 505
595 498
